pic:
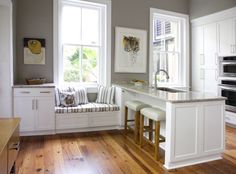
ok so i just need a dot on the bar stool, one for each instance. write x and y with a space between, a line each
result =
156 115
136 106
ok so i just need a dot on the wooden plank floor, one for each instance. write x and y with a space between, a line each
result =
106 153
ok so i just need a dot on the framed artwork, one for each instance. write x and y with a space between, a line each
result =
34 51
130 50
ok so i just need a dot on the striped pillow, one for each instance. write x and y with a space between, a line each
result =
105 95
80 95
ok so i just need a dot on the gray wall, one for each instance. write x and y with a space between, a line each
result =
198 8
35 19
135 14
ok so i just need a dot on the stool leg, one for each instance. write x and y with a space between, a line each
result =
141 130
126 119
136 127
150 128
157 134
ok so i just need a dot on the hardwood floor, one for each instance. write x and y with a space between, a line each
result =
106 153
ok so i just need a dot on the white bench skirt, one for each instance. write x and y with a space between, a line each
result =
87 121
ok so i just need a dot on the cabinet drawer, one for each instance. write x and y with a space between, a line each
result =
24 92
44 92
34 92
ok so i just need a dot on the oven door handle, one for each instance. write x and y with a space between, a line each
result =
227 88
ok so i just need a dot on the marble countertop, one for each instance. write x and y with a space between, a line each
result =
7 128
45 85
184 96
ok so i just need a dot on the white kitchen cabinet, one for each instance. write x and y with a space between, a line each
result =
211 81
197 59
204 58
227 44
199 136
45 113
23 108
35 107
210 46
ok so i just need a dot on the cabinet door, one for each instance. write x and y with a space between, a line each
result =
197 58
226 37
24 108
210 45
213 131
211 81
45 115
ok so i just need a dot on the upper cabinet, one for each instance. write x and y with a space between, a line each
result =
197 58
227 33
210 45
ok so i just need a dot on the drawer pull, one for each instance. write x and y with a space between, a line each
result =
45 92
15 146
25 92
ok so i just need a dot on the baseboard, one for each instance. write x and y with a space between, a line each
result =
189 162
91 129
38 133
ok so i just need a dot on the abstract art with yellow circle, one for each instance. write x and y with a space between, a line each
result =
34 51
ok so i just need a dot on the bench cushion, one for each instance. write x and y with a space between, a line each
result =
90 107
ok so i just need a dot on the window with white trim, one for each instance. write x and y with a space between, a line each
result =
83 36
168 47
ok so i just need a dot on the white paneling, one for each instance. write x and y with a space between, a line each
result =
24 108
210 45
225 36
213 128
186 134
197 58
45 117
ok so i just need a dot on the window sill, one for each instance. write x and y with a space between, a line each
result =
91 87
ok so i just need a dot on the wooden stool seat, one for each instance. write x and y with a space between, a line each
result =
155 115
136 106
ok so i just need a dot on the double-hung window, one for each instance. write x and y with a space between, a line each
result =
169 47
83 38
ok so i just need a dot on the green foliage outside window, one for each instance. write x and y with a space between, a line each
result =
77 70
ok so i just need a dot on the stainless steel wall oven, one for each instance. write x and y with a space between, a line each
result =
227 67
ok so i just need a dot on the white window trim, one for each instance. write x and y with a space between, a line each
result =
185 46
57 62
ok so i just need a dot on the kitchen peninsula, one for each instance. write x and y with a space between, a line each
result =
194 128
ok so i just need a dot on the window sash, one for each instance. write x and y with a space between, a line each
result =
81 46
85 6
183 40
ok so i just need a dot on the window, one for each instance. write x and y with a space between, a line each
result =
82 44
168 47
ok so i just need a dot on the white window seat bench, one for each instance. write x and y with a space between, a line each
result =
88 117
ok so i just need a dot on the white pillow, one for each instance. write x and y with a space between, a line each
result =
105 95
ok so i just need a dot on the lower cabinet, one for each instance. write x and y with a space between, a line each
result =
35 107
198 129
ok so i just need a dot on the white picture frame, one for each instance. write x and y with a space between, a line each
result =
130 50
